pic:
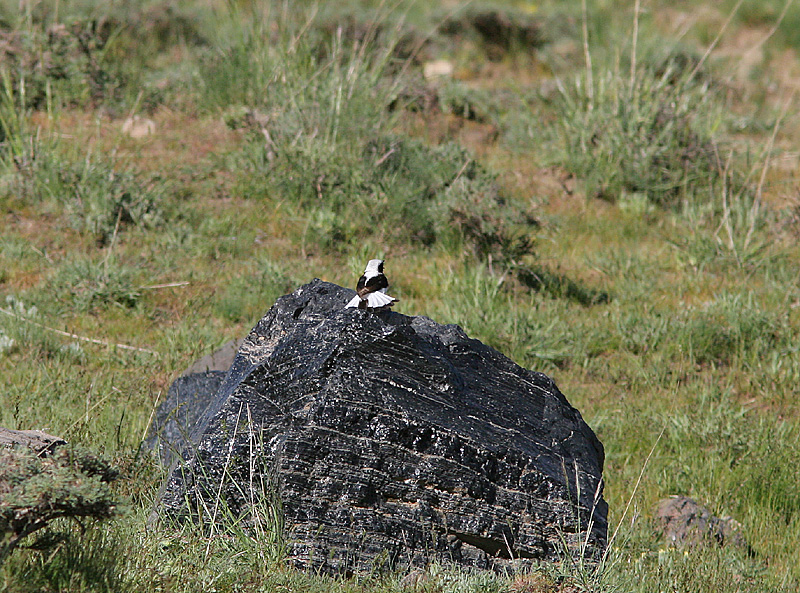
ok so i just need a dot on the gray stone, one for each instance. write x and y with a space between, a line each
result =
219 360
39 442
186 400
391 441
685 522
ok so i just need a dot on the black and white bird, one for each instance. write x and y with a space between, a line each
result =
371 288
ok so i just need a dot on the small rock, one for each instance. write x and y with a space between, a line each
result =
685 522
219 360
138 127
437 69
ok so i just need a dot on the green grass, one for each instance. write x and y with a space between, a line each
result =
631 236
649 139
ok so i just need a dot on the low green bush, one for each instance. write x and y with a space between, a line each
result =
36 490
728 328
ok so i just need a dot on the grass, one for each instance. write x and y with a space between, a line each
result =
623 224
649 139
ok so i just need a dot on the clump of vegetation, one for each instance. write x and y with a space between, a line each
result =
90 285
393 188
73 56
246 296
98 199
472 104
725 328
319 140
72 483
650 135
398 189
59 60
498 30
485 221
16 143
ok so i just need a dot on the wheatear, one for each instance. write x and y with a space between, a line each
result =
371 288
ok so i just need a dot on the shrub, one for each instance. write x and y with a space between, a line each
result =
318 109
88 53
100 200
728 327
399 189
97 199
34 491
653 137
476 209
62 61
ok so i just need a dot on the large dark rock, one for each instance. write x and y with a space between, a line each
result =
392 441
175 419
187 399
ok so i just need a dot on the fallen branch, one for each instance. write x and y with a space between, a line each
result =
76 336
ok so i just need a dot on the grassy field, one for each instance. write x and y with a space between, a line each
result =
603 191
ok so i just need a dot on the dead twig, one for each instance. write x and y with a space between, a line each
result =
381 160
464 168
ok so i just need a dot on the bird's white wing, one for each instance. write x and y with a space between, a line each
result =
379 299
353 302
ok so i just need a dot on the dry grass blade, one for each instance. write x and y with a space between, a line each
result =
711 47
223 474
81 338
587 56
635 35
759 190
633 493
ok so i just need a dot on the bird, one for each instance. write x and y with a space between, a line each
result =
371 288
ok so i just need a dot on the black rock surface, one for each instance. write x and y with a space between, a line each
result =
187 398
175 419
391 441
